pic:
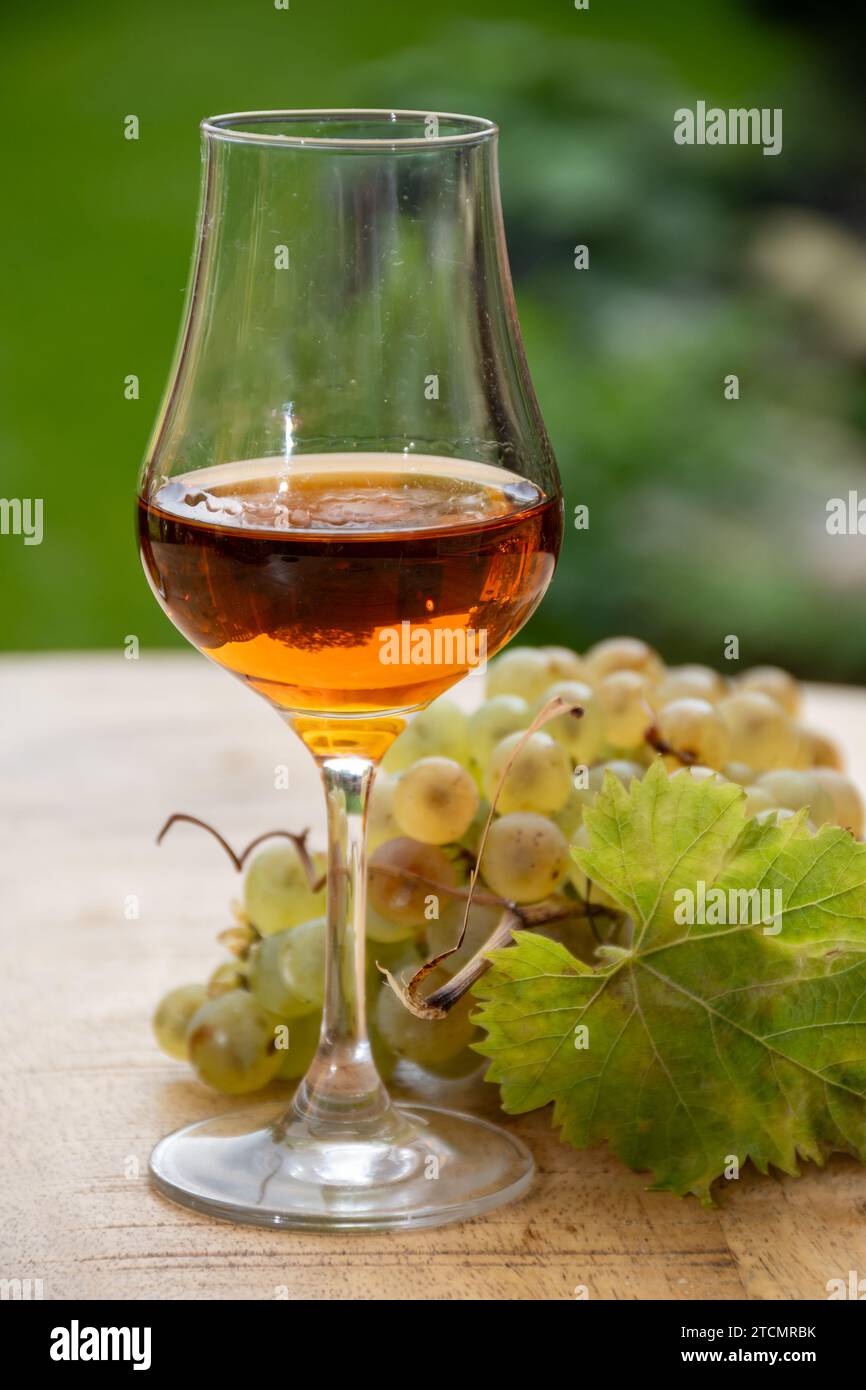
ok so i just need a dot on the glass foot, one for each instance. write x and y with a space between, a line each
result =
262 1168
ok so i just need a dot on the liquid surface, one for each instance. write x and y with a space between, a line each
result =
328 498
349 584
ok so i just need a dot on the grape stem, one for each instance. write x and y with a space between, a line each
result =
655 740
315 881
514 918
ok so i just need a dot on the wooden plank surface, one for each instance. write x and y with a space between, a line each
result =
96 751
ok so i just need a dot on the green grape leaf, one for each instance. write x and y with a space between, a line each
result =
738 1034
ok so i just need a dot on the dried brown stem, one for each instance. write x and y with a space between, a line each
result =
315 881
203 825
441 1000
655 740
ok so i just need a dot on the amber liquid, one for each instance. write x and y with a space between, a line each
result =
316 582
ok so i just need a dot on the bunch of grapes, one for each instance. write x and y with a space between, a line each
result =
258 1016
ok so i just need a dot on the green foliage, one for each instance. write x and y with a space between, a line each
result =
704 1042
698 506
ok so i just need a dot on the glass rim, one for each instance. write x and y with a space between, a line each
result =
223 127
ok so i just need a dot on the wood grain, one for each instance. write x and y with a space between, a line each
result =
96 752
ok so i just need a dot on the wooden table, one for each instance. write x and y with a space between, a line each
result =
98 922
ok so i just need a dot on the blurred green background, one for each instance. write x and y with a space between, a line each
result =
707 516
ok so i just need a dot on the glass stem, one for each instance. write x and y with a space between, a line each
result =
342 1091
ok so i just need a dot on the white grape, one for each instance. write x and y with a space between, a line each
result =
172 1017
425 1041
393 889
801 757
623 770
762 735
380 929
580 735
277 893
758 799
740 773
539 778
622 696
563 664
772 681
816 750
689 683
697 773
233 1043
792 790
231 974
266 980
381 824
296 1045
472 837
435 801
520 671
492 722
570 814
458 1067
304 961
694 727
845 799
286 972
623 654
439 730
526 857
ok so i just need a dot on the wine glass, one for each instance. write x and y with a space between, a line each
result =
348 499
